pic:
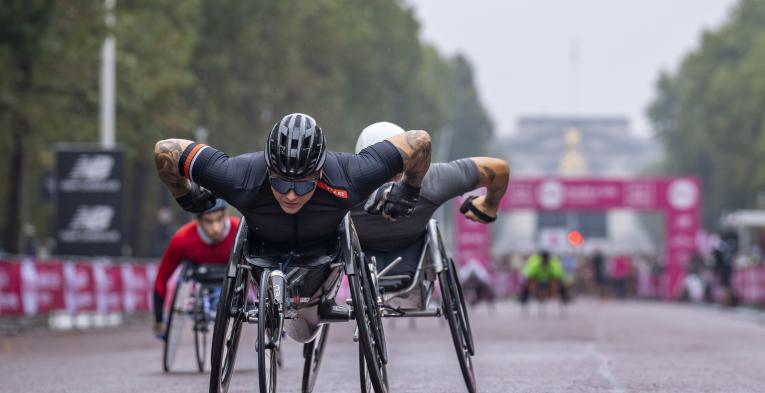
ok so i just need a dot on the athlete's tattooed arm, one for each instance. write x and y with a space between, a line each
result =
167 153
494 174
414 147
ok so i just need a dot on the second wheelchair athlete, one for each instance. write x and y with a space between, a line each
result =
405 238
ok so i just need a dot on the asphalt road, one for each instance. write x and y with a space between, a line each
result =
595 347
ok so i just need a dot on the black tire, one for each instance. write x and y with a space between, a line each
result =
463 312
451 312
200 330
313 352
227 330
376 367
267 331
175 322
370 298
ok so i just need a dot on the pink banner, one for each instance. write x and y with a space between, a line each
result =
108 287
80 288
473 241
678 198
136 288
10 289
42 287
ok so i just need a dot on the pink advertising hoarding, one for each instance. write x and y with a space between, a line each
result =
678 198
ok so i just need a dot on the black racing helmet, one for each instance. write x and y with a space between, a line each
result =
295 148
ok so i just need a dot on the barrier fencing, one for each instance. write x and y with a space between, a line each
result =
30 287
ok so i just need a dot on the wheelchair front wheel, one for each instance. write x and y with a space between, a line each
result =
268 335
313 352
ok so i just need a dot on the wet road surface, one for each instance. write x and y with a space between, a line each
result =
596 347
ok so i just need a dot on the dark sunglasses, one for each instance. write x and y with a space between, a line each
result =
301 187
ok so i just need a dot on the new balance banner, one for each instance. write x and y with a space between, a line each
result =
89 192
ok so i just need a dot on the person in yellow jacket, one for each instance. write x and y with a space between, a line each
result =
544 273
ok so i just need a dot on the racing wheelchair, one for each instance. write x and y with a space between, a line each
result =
410 296
295 295
195 297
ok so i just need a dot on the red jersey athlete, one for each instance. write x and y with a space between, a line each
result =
208 240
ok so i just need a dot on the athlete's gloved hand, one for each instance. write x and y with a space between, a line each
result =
393 200
376 201
159 330
197 200
400 201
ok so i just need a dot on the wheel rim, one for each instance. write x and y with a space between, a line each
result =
232 330
367 344
176 322
451 312
460 303
267 331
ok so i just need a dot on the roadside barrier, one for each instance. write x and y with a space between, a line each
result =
39 287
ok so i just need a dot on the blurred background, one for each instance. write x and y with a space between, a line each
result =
590 90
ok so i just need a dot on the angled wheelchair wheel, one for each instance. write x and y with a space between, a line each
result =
452 313
313 352
228 327
176 321
372 361
464 317
268 335
200 329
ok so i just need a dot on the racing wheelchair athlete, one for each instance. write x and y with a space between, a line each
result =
204 244
409 253
295 240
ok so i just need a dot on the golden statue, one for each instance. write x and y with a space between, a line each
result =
573 162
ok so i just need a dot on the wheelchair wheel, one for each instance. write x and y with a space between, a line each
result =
452 311
369 328
176 321
313 352
200 329
463 312
268 335
228 327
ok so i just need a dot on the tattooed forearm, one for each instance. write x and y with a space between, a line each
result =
167 153
494 174
414 147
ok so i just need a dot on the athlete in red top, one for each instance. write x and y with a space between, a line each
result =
208 240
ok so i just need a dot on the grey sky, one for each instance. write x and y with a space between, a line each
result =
522 50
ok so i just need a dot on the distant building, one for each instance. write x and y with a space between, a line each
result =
577 146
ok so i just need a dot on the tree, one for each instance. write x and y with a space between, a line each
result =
709 113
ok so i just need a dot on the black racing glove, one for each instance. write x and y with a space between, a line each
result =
376 201
401 200
198 200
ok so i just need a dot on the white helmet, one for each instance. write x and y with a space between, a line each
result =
376 132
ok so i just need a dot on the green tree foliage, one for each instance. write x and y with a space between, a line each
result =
709 113
232 67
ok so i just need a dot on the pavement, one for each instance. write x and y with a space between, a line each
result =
593 346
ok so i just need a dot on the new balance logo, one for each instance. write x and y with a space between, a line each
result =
91 173
92 218
92 167
91 224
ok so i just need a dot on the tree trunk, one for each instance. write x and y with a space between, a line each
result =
16 207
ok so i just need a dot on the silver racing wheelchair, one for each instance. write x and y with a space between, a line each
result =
195 297
410 296
295 295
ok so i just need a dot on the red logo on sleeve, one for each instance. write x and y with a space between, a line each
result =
334 191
